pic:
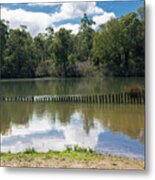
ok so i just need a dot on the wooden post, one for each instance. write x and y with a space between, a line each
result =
125 98
143 95
121 97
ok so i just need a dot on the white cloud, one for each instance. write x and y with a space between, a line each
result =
75 10
35 21
102 19
73 27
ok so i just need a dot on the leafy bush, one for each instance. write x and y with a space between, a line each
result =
85 68
45 69
29 151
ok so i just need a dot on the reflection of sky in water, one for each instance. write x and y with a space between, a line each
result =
43 134
119 144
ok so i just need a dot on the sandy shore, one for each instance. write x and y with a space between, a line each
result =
70 160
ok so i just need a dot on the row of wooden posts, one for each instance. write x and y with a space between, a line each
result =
117 98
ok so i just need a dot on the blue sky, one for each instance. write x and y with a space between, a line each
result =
39 16
121 8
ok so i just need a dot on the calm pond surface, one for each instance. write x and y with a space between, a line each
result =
112 128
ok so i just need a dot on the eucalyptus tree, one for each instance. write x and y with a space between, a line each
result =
19 56
62 47
84 39
3 39
119 46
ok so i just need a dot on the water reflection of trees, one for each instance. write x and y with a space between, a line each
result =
67 86
12 113
128 119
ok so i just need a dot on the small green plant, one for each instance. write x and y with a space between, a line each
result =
77 148
29 151
68 148
50 151
90 150
114 164
82 149
9 152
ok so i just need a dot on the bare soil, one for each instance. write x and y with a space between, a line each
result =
101 162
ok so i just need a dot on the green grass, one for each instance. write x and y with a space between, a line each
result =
72 153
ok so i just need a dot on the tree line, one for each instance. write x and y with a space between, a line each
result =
115 49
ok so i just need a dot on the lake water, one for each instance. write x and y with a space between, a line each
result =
112 128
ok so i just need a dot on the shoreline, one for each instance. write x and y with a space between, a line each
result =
70 159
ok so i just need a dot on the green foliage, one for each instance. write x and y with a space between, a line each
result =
115 49
119 46
77 148
71 154
68 148
114 164
84 40
45 69
29 151
62 47
85 69
19 58
3 39
141 12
